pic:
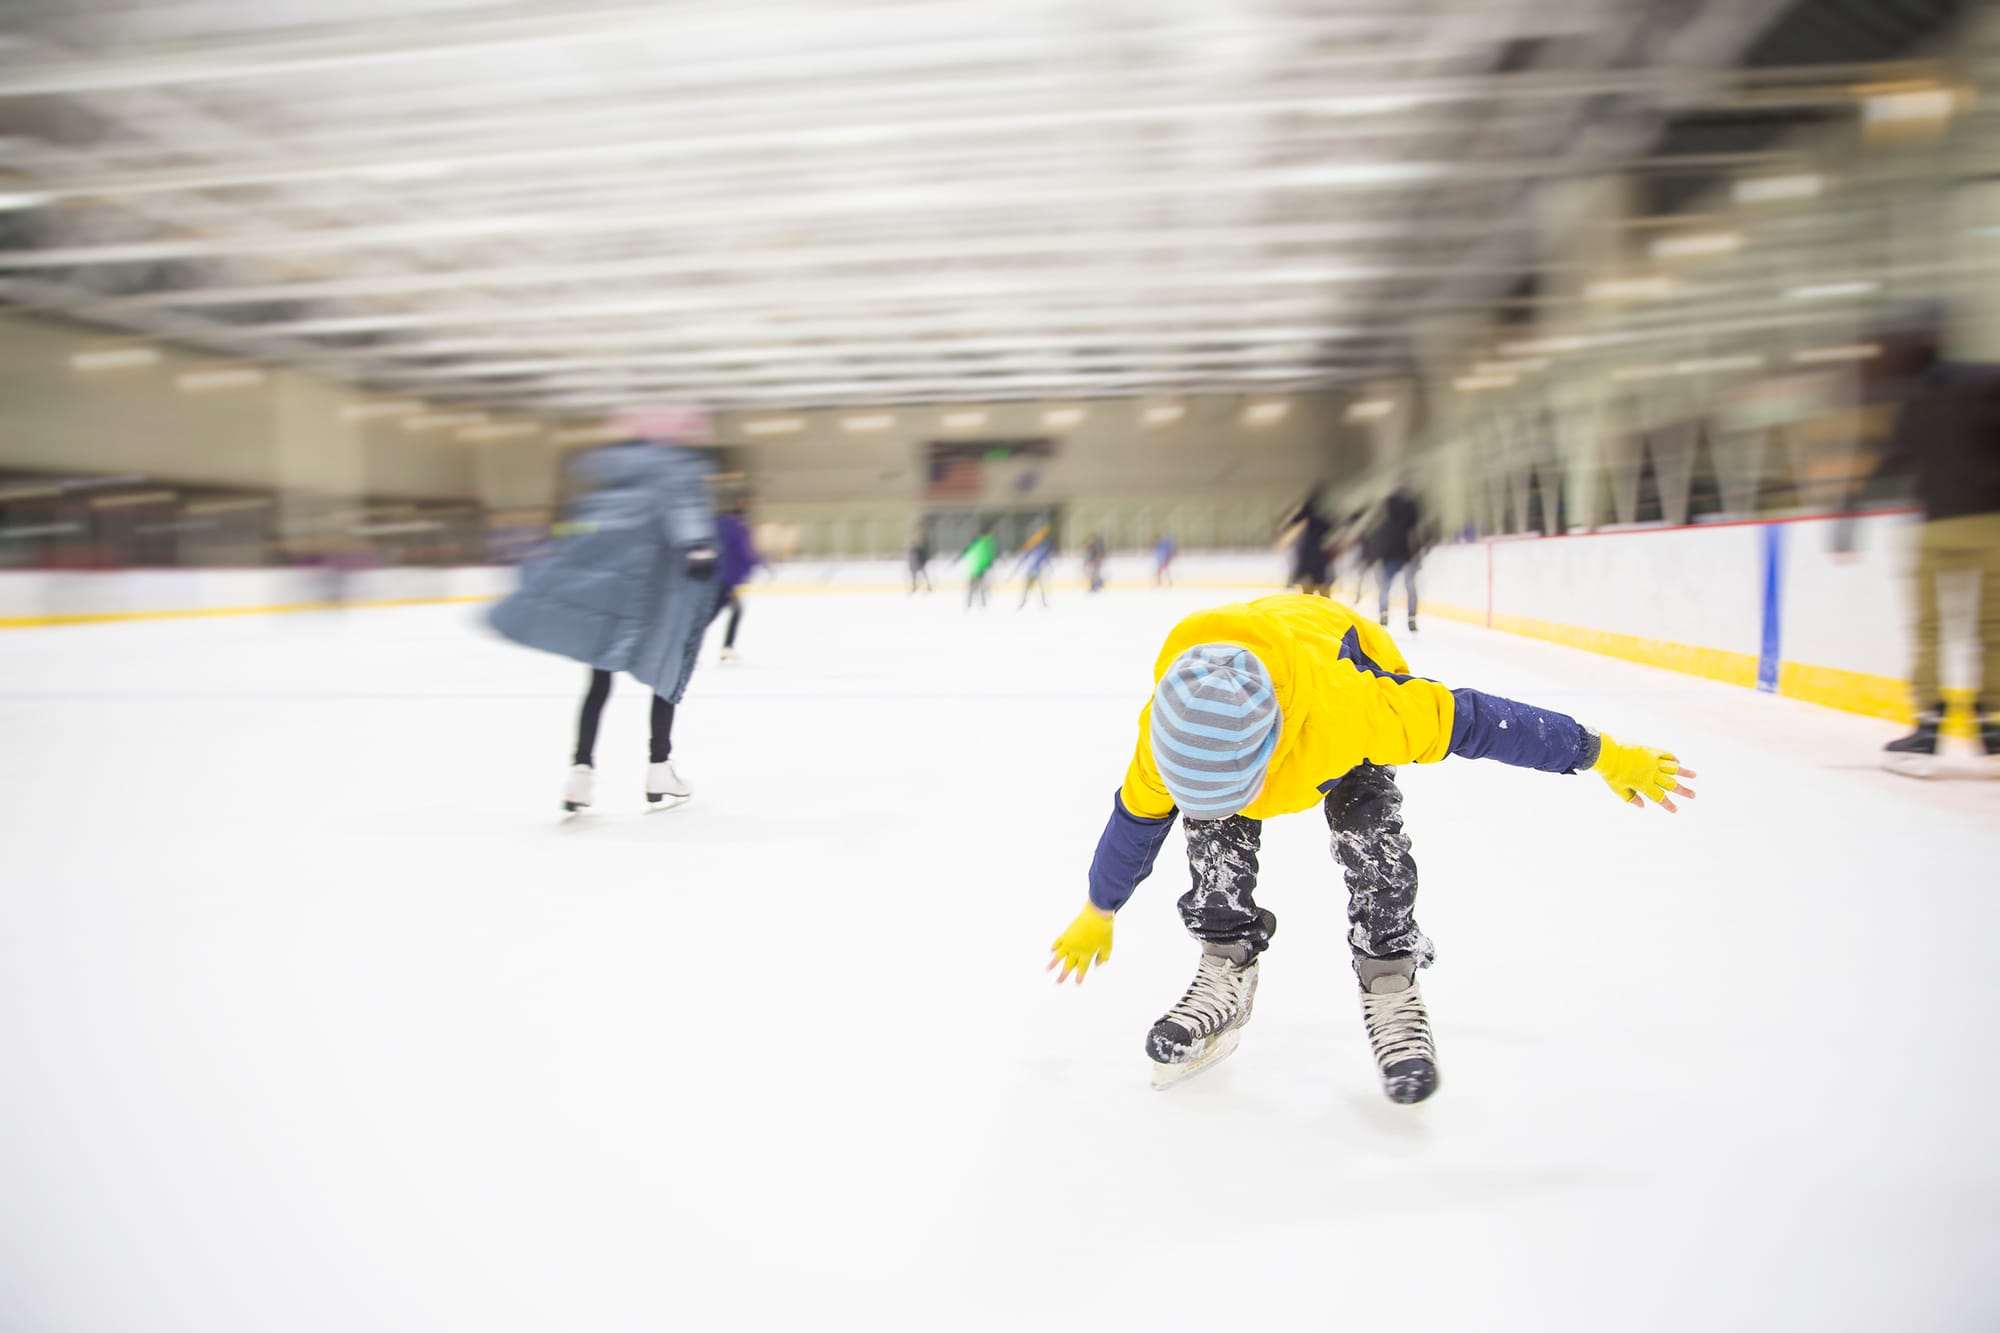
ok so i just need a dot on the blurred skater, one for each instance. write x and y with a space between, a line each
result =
629 585
1163 560
1396 545
1034 565
979 558
1308 532
1093 562
1275 706
738 558
920 557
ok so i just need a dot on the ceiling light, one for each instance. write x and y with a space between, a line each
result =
1912 106
1631 374
228 506
515 431
1828 290
1370 409
444 420
872 422
1846 352
116 358
1697 245
963 420
1265 414
12 199
1770 189
1163 414
1059 418
1526 366
1716 364
1477 383
1629 289
129 501
774 426
378 411
202 381
585 435
1544 346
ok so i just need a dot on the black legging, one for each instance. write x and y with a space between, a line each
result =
735 605
593 709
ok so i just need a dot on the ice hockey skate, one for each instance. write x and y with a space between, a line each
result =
665 788
1399 1028
580 789
1208 1022
1915 755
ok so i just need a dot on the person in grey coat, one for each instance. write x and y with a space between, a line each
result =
628 586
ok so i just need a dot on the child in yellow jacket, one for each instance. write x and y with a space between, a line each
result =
1268 708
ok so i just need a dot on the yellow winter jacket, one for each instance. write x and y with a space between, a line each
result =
1344 693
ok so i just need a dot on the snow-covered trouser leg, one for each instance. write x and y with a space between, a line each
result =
1365 812
1222 861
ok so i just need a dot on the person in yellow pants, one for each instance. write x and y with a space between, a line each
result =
1275 706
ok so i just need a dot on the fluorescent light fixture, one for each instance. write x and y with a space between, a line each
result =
1058 418
1266 414
444 420
204 381
116 358
963 420
869 422
1544 346
1813 356
13 199
31 493
1713 365
1163 414
1771 189
585 435
1909 107
1826 291
519 430
1370 409
228 506
1478 383
1697 245
1632 374
1523 366
379 411
1629 289
774 426
130 501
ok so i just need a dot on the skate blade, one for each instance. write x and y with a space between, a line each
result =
1911 765
656 805
1166 1076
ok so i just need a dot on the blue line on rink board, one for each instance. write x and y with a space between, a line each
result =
1770 653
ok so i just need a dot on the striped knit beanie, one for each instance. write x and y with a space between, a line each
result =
1215 723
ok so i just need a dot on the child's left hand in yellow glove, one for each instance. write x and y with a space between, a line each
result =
1087 940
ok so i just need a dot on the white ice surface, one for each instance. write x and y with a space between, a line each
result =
313 1016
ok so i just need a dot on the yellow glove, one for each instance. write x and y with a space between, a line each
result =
1086 941
1637 774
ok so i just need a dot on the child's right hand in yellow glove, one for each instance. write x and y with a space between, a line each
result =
1637 774
1086 941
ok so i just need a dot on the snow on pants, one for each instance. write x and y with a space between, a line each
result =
1365 813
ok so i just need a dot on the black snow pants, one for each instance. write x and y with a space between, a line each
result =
1365 813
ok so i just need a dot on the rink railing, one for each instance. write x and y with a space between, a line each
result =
1764 605
1768 605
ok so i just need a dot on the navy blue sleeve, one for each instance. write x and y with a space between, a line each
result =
1125 855
1485 726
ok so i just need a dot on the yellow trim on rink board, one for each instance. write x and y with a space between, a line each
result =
198 612
791 589
1830 687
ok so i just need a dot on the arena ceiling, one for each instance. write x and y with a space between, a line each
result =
565 208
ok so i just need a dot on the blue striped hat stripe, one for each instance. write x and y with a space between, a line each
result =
1215 724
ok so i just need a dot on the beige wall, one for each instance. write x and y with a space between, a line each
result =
285 433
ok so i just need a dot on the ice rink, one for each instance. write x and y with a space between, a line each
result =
314 1014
